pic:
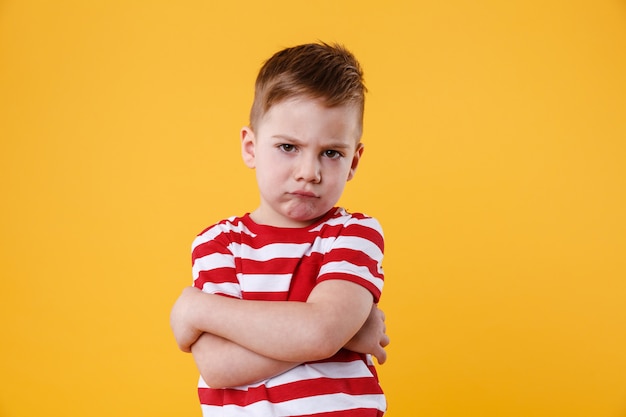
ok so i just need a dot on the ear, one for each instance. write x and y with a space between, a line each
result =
248 142
355 160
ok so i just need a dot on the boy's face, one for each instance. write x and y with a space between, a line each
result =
303 153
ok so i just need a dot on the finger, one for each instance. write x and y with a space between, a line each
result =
381 314
384 341
381 356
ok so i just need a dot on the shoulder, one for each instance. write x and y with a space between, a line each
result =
227 230
362 221
231 223
345 224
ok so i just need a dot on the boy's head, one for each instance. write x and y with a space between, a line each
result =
330 73
304 135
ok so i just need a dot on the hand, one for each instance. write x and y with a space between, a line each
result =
181 319
371 338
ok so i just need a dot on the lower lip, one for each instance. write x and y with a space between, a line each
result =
304 195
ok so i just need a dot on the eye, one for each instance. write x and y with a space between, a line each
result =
332 154
287 147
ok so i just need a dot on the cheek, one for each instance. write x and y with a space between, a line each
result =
274 161
271 172
340 173
337 181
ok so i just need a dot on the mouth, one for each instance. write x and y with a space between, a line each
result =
303 193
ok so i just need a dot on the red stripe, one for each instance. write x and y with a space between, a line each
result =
265 296
353 278
290 391
271 266
219 244
355 257
231 232
295 236
365 232
216 276
298 389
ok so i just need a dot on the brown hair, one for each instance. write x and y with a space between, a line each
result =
315 70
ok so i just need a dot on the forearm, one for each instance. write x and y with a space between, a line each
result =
286 331
266 328
224 364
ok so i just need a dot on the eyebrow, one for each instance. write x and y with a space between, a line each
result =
329 145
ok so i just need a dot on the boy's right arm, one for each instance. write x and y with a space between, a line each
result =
223 363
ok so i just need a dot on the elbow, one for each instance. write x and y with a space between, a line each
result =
217 376
215 371
215 381
210 377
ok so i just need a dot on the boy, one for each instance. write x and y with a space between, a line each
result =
282 318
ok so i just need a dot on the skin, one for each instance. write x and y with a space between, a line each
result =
303 153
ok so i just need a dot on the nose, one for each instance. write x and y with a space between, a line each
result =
308 169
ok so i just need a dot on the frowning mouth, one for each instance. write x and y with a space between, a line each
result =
302 193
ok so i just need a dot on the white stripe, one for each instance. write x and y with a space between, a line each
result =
269 252
297 250
371 223
332 370
348 268
219 229
358 243
264 283
212 261
342 219
346 219
213 232
299 407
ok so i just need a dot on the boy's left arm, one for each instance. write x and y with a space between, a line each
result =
224 364
283 330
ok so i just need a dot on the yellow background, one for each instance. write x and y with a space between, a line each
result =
495 159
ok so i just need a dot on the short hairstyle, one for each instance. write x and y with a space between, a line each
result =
315 70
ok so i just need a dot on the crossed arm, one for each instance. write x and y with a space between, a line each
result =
236 342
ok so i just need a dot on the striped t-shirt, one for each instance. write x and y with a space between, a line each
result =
241 259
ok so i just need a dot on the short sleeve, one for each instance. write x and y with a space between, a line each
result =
213 263
356 255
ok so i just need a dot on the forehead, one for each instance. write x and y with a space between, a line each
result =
305 118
